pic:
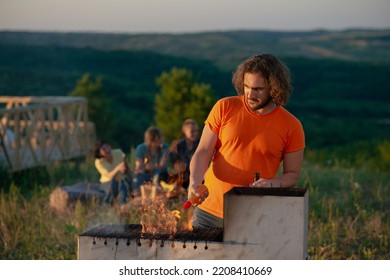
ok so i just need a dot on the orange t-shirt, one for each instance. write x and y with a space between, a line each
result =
247 143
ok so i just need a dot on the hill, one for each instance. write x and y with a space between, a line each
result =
128 77
226 49
340 93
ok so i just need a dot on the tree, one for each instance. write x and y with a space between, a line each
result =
99 105
181 97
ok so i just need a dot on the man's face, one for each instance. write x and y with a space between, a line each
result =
157 143
257 92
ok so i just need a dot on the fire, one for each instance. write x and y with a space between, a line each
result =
155 216
188 224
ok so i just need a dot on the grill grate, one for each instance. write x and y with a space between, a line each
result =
134 231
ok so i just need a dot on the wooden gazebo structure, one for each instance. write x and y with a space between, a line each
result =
35 131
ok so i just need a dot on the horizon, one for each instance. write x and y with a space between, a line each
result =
185 16
385 29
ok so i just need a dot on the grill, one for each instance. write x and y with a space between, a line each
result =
134 232
259 223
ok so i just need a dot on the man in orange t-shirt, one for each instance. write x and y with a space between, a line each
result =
246 134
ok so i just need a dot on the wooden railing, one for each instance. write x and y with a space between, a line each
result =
35 131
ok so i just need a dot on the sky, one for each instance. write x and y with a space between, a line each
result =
183 16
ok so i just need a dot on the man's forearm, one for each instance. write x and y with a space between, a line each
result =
198 167
288 180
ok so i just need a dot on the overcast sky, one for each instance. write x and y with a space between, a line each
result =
191 15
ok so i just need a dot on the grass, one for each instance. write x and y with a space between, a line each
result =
348 213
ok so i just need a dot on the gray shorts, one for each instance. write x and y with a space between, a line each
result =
202 218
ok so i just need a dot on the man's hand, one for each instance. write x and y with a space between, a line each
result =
197 191
265 183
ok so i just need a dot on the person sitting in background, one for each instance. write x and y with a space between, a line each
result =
180 154
113 168
150 159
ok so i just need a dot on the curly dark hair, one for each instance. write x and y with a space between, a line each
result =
275 73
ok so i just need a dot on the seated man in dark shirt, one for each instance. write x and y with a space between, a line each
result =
180 154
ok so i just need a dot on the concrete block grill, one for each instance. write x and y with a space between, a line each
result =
259 223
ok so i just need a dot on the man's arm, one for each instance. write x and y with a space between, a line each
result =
201 158
292 163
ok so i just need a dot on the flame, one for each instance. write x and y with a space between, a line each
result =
188 225
156 217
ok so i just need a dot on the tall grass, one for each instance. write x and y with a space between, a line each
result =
348 213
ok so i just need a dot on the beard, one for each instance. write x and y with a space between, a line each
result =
257 103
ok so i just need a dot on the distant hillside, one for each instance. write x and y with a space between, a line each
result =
226 49
128 77
29 69
341 95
